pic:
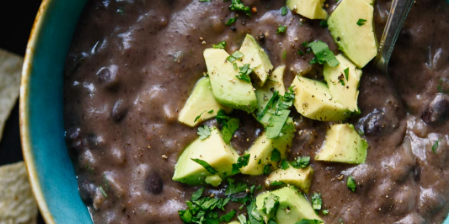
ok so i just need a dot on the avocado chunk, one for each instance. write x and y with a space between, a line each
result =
214 180
212 150
257 58
275 82
312 9
200 103
313 100
343 81
228 90
354 32
293 206
343 145
300 178
262 149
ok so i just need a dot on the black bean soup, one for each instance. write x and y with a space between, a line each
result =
133 64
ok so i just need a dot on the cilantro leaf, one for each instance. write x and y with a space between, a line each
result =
242 219
267 169
284 11
351 183
268 106
325 212
244 73
316 201
301 162
276 123
276 183
227 217
323 23
221 117
206 165
271 205
281 29
231 21
284 164
323 53
309 221
253 215
241 162
361 22
199 116
221 45
275 155
234 188
237 5
185 215
435 146
229 129
235 56
197 194
204 132
346 71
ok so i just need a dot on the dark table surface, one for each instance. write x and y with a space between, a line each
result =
15 26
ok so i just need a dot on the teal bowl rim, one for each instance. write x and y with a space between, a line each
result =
28 146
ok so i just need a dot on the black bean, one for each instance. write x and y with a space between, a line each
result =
87 191
154 183
119 110
437 110
108 77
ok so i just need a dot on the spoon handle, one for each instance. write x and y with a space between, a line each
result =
398 13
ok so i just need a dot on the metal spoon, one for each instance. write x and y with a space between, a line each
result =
398 13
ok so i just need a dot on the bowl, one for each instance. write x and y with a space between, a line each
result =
50 169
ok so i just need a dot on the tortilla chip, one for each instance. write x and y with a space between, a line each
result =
17 203
10 70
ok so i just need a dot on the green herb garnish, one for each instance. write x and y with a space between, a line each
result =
276 183
234 188
231 21
351 183
206 165
325 212
242 161
199 116
309 221
102 191
197 194
237 5
229 129
275 155
204 132
316 201
435 146
301 162
323 23
244 73
228 216
284 11
281 29
221 45
323 54
346 71
361 22
235 56
267 169
271 205
284 164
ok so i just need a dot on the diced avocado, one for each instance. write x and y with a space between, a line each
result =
228 90
200 103
275 82
312 9
354 32
343 81
214 180
254 55
313 100
300 178
343 145
293 206
262 149
212 150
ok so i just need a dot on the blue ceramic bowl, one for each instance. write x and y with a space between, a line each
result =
41 114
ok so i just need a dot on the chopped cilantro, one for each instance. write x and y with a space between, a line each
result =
206 165
301 162
323 23
435 146
237 5
271 205
361 22
244 73
210 111
316 201
281 29
234 188
275 155
227 217
199 116
305 44
235 66
276 123
197 194
325 212
284 11
267 169
229 129
284 164
346 71
231 21
309 221
221 45
235 56
351 183
276 183
323 53
221 117
284 54
204 132
242 161
242 219
268 106
102 191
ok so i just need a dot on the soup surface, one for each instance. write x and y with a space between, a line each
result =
134 63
